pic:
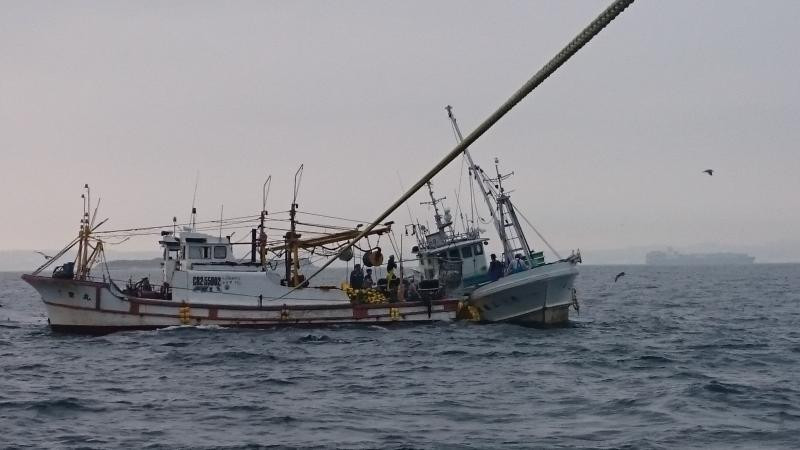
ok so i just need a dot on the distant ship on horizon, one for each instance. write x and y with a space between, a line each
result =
673 258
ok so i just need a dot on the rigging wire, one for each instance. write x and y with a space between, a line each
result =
327 216
252 217
153 233
408 208
537 232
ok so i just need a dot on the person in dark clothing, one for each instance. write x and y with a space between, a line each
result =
368 283
412 294
495 268
357 277
391 265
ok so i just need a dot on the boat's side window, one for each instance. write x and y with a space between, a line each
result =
454 254
220 252
478 249
466 252
196 252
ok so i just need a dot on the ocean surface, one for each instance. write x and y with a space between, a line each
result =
673 357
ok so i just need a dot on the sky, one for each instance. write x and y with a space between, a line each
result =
136 98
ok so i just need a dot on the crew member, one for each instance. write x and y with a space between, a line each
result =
495 268
357 277
518 264
391 265
412 293
368 283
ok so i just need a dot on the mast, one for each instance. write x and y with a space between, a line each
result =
484 186
493 191
292 256
83 236
84 260
194 200
262 237
505 207
440 224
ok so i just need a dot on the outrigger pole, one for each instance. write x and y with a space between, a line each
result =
565 54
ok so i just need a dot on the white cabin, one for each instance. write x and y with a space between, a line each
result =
202 268
461 256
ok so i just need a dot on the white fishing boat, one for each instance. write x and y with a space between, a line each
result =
523 288
204 284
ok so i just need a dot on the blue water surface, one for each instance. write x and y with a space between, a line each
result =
675 357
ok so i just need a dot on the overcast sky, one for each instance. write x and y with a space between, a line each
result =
135 97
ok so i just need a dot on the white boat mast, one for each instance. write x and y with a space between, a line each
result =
442 222
497 201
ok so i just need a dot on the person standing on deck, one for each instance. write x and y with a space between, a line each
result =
412 294
391 265
368 283
518 264
357 277
495 268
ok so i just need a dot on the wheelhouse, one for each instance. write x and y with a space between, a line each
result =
464 260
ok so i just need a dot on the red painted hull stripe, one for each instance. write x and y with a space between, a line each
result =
237 319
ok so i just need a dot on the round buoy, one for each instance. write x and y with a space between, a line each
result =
346 255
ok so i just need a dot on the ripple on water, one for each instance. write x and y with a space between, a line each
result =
680 359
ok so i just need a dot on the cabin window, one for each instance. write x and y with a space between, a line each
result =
478 249
195 252
454 254
466 252
220 252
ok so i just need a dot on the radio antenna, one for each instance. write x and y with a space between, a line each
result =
221 208
194 198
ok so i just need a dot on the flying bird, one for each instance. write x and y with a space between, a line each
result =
710 172
45 256
619 275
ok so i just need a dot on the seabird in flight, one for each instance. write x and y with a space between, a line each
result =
45 256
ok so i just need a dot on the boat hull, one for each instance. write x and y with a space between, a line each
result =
542 295
93 307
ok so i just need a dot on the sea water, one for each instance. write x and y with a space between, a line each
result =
673 357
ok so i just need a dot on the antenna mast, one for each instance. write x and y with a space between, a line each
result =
221 208
440 224
194 199
292 238
262 236
484 184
